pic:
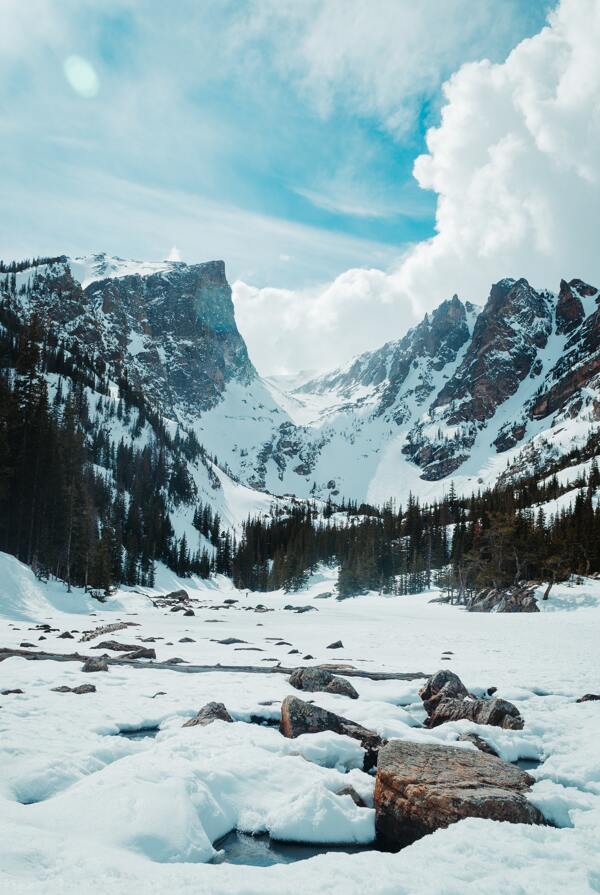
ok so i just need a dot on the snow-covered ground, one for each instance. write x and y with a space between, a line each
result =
85 809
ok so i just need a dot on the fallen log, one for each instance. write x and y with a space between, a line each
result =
41 655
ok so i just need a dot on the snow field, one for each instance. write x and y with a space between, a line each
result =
82 808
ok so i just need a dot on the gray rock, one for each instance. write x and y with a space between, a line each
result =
95 663
298 717
212 711
478 742
141 652
337 644
350 791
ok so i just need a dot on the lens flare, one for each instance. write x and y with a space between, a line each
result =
81 76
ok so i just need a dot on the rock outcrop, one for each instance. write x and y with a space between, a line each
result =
298 717
519 598
421 788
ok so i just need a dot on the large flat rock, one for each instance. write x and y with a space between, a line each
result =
421 788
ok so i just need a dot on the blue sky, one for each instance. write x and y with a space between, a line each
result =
278 135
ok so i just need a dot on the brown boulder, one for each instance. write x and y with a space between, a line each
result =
212 711
445 698
298 717
497 712
314 680
421 788
441 685
342 687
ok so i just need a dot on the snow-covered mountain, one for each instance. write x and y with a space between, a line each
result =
468 395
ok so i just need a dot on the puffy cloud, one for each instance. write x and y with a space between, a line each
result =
289 330
516 168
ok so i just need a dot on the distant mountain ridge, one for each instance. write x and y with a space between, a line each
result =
469 394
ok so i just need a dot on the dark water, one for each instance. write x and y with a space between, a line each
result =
262 851
527 764
140 734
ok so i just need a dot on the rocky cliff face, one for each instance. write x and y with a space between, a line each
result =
465 387
172 331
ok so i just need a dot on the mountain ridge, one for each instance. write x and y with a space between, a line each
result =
456 398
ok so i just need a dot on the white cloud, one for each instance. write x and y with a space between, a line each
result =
516 166
382 57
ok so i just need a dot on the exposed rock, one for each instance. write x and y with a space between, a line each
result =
569 307
589 697
66 635
445 698
176 660
478 742
187 640
422 787
319 679
298 717
350 791
115 646
14 692
342 687
228 641
497 712
442 685
326 595
26 644
141 652
189 612
82 688
519 598
95 663
212 711
337 644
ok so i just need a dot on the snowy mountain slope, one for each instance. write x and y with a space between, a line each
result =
466 396
469 395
